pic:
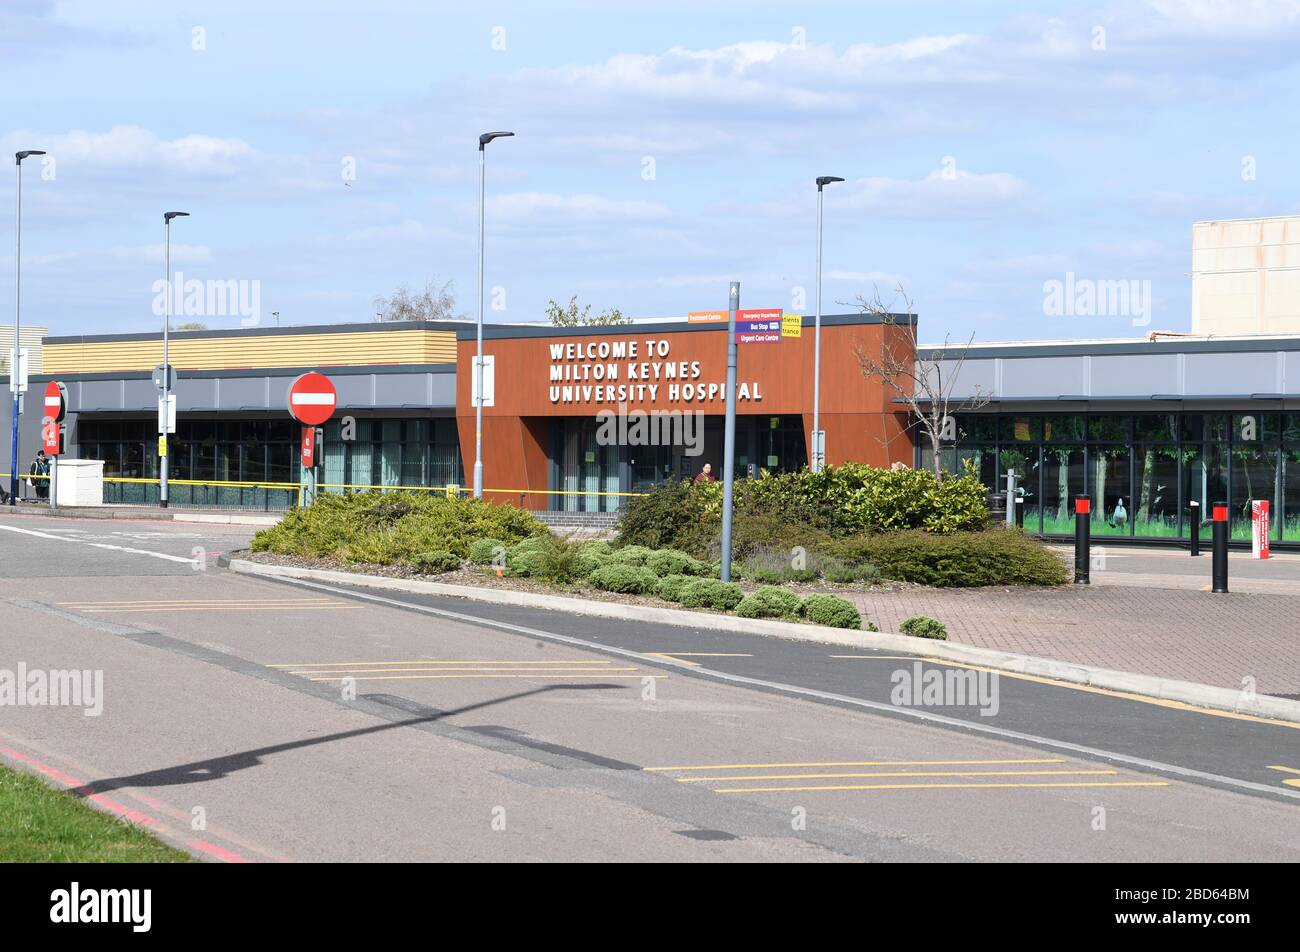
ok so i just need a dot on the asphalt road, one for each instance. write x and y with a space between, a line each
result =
256 720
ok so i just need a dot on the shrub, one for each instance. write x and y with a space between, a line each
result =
630 555
627 579
922 626
545 557
435 563
591 556
831 610
711 593
995 556
805 508
769 602
391 528
485 551
670 587
665 562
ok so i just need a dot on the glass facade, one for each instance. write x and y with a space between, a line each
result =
585 464
1141 470
382 452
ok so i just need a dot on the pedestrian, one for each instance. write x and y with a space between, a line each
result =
705 475
40 467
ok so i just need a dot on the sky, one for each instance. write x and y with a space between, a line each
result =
327 153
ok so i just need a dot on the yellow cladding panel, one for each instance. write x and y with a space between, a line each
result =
415 346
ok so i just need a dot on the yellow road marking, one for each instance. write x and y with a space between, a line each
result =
1289 783
680 655
1038 679
905 773
360 664
948 786
866 763
535 675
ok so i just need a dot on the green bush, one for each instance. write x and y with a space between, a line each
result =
435 563
484 551
630 555
670 587
770 602
922 626
805 508
831 610
591 556
391 528
626 579
664 562
711 593
995 556
546 557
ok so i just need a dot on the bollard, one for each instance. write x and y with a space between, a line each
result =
1020 512
1220 555
1195 527
1082 538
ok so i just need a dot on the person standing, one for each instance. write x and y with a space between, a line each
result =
41 467
705 475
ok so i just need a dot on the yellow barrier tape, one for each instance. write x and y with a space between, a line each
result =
248 484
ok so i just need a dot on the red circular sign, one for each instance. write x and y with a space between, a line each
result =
312 399
56 401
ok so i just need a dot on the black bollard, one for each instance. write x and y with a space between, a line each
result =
1195 527
1219 564
1020 512
1082 538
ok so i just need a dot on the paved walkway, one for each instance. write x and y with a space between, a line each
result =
1146 612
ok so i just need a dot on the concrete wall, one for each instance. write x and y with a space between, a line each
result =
1246 276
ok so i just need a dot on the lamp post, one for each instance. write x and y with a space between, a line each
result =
165 407
819 444
483 140
18 297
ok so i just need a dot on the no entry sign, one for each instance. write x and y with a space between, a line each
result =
56 401
312 399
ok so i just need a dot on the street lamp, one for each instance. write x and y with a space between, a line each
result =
18 297
819 442
483 140
165 408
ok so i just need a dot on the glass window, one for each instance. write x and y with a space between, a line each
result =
1205 476
1255 428
1108 429
1112 500
1212 427
1254 476
1289 516
1024 462
1156 428
1063 479
1155 507
977 428
1063 429
1020 429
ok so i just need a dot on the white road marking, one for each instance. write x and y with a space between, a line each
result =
100 545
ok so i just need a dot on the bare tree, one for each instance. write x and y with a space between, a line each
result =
431 304
926 386
573 316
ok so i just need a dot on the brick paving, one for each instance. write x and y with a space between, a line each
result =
1174 632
